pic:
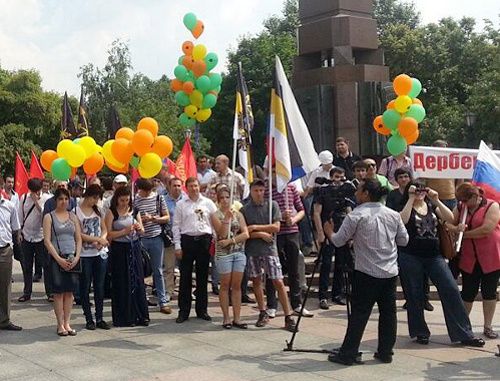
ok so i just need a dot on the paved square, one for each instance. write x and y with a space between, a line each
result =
199 350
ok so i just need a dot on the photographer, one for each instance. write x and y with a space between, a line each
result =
332 202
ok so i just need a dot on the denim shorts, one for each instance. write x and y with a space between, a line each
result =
233 263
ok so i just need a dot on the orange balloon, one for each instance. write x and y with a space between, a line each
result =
187 48
199 68
402 84
162 146
122 150
93 164
142 142
380 127
149 124
213 92
417 101
123 169
73 173
176 85
124 133
188 87
48 158
412 139
198 29
188 61
407 127
390 105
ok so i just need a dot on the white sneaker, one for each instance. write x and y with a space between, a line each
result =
271 312
305 313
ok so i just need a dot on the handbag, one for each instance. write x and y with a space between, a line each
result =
146 262
68 256
166 233
447 244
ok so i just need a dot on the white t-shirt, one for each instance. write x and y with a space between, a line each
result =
317 173
91 225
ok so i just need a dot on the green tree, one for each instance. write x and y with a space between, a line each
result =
18 136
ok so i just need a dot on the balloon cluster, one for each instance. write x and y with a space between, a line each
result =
196 88
143 149
402 116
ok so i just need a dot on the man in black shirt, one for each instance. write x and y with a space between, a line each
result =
344 157
395 197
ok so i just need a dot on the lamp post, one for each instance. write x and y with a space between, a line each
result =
470 119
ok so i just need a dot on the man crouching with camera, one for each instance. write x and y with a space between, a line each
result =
376 232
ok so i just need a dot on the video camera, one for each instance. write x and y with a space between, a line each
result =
335 198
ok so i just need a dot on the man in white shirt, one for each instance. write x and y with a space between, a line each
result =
9 190
192 231
326 160
9 227
31 237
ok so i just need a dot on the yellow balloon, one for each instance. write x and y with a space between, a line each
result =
402 104
64 148
199 52
106 152
150 165
89 145
77 157
191 111
196 98
203 115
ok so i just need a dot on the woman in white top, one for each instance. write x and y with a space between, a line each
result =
94 255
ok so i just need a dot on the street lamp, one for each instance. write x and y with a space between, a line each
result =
470 119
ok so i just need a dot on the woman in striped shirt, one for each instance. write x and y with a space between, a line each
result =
230 256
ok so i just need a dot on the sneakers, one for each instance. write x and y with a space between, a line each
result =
90 325
102 325
323 304
263 319
290 324
271 312
305 313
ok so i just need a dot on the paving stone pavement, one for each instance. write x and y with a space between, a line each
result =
199 350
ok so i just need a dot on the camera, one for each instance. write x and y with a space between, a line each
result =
335 197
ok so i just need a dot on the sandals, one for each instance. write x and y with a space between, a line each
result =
24 298
489 333
240 325
227 326
72 332
474 342
63 333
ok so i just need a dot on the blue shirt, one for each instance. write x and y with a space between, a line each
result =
50 205
171 204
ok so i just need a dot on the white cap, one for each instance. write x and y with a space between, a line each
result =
120 179
325 157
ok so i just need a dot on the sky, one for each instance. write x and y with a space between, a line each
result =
57 37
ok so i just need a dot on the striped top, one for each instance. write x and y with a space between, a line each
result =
294 204
153 205
235 229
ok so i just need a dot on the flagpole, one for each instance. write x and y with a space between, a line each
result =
270 177
465 212
231 197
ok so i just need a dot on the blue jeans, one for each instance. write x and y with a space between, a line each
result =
413 270
304 224
154 246
215 272
93 271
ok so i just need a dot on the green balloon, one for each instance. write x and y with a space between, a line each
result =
391 119
416 112
186 121
61 170
134 162
203 84
182 98
215 80
190 20
209 101
218 89
396 145
76 140
211 60
190 77
180 60
416 88
181 73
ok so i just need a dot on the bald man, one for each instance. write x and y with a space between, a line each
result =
224 175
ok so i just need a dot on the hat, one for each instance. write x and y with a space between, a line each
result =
120 179
325 157
258 182
74 184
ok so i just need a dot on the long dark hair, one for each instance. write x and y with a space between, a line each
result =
94 190
406 195
120 192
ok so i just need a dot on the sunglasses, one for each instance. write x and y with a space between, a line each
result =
372 165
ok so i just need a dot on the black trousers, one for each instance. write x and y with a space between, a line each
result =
30 251
194 249
288 249
367 291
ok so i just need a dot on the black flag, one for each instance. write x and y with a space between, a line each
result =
68 129
113 123
82 127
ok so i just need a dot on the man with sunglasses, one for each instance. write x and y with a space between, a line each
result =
371 173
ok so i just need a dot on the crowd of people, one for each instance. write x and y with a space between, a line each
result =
105 237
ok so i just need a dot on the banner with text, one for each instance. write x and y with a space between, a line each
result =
444 163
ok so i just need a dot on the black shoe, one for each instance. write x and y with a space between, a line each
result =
428 306
37 278
387 359
152 304
103 325
204 316
78 302
181 319
405 306
475 342
11 327
263 319
341 359
290 324
247 299
215 289
422 340
338 300
90 325
143 323
24 298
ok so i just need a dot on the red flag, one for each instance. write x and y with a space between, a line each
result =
21 186
36 171
186 165
170 166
